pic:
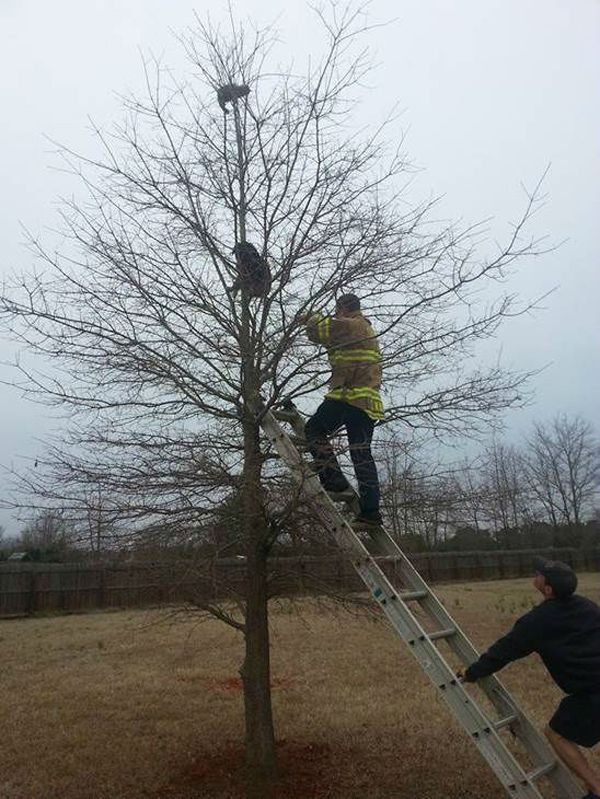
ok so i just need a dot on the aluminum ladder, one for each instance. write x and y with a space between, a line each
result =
518 780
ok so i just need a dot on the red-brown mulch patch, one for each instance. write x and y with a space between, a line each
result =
306 771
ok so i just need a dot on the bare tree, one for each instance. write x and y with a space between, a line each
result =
166 373
470 496
562 466
505 490
399 477
417 492
47 532
99 528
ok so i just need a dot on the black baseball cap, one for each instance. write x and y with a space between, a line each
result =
558 575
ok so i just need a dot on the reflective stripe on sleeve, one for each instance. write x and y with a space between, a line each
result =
324 329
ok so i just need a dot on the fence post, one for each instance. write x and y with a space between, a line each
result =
101 588
456 575
32 598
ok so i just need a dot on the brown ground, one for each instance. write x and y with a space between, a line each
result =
131 705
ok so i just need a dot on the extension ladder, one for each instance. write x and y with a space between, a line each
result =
518 780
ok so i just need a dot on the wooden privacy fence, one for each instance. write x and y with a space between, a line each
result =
28 588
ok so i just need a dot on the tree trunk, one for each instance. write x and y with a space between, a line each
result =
255 672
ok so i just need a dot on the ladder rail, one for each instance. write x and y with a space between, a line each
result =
483 732
492 687
468 713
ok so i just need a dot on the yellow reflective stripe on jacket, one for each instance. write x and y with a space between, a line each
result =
324 329
358 392
373 406
344 393
354 356
375 411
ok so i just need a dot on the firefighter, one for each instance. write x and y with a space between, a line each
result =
353 402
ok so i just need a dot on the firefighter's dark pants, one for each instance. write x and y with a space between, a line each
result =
332 415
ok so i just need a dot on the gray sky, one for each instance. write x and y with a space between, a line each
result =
490 92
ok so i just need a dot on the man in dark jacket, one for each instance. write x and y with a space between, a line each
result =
353 401
564 630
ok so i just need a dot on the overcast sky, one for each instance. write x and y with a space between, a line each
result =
491 93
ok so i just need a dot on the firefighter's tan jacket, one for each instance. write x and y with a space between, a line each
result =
355 359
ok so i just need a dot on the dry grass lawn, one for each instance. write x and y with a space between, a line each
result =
128 704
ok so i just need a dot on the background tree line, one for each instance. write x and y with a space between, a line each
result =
543 493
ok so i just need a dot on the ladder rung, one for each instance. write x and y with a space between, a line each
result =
541 770
499 725
441 633
406 596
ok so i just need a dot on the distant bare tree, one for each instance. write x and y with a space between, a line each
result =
98 529
48 531
399 476
505 489
470 496
415 496
562 466
167 373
